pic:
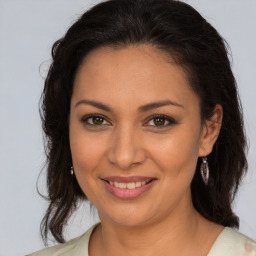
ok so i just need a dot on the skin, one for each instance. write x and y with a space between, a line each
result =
130 143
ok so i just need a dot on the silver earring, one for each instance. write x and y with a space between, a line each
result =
72 171
205 170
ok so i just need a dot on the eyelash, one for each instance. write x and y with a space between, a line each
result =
166 118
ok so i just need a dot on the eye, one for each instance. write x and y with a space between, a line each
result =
156 121
160 121
94 120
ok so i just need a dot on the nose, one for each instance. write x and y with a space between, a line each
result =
126 149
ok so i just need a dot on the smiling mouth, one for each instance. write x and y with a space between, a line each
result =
128 185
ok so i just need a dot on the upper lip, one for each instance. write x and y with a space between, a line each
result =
128 179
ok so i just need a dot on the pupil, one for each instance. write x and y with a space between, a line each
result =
97 120
159 121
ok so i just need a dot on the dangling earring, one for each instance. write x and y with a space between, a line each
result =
205 170
72 171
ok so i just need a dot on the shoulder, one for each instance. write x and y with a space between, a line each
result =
76 247
61 249
231 242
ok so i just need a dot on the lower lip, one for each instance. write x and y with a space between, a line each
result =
125 193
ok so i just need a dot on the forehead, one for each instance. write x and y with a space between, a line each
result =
138 73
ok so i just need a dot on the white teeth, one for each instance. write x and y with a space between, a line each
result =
138 184
129 185
122 185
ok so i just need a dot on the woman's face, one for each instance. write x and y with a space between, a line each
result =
135 134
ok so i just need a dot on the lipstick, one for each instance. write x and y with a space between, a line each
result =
128 187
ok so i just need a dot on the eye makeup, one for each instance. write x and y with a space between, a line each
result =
157 121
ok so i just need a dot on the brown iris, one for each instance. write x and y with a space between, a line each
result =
97 120
159 121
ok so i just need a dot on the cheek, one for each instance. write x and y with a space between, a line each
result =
176 153
86 155
86 151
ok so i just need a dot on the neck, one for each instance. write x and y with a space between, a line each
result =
166 236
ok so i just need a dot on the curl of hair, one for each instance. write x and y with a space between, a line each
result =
182 33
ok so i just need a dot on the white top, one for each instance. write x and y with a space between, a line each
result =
228 243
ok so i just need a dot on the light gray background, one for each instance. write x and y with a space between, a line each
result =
28 29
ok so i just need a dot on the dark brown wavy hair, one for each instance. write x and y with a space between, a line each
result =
182 33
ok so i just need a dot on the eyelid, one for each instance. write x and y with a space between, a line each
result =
85 118
167 118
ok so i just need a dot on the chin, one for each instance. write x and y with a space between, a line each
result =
126 216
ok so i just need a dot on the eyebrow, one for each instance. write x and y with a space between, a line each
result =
143 108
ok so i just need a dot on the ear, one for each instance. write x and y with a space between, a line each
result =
210 131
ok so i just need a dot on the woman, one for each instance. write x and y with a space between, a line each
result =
142 118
